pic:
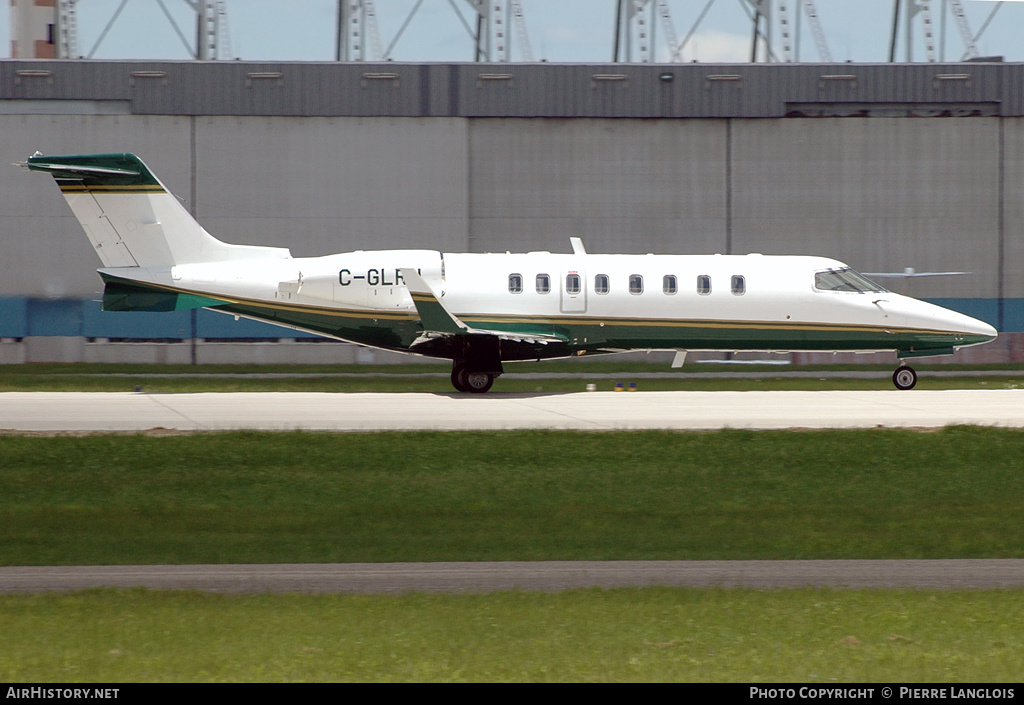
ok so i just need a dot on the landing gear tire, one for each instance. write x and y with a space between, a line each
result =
456 381
475 382
904 378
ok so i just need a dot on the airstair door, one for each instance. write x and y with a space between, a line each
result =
574 291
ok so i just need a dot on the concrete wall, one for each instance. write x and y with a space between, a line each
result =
879 193
622 185
45 252
936 194
316 185
1013 212
325 185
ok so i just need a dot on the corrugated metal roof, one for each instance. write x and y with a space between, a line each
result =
524 90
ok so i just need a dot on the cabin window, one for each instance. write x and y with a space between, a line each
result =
543 283
668 284
601 285
703 284
572 283
636 284
739 284
515 283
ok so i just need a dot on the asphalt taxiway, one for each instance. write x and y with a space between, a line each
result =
57 412
547 576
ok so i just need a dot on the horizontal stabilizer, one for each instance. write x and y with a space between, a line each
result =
82 170
123 295
910 272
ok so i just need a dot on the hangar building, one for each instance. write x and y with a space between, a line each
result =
886 167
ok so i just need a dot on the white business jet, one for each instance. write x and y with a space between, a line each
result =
480 310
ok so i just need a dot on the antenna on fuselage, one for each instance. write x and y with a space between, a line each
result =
577 246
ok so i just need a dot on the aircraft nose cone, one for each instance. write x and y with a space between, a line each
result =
977 330
981 329
966 329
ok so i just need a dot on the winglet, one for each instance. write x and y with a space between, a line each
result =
435 316
121 171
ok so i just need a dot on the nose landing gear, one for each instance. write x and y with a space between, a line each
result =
904 377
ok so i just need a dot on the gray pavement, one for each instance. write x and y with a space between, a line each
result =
546 576
57 412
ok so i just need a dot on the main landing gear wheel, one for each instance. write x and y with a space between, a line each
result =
904 378
475 382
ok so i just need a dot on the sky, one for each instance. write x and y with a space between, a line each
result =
558 30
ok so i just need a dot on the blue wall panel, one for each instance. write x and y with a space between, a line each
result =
63 317
213 324
134 324
13 317
21 316
983 309
1013 315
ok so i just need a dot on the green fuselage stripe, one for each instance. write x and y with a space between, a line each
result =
398 330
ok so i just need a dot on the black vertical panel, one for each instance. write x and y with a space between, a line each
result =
453 90
424 86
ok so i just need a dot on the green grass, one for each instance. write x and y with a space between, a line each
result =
434 377
304 497
264 497
819 637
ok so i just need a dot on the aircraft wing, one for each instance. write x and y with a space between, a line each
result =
439 321
435 315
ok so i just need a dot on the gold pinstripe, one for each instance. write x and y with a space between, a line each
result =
550 321
699 323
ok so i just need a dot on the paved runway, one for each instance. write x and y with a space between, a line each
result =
591 411
547 576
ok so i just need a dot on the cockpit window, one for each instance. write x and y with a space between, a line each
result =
844 280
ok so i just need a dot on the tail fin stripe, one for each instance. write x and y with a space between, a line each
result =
79 187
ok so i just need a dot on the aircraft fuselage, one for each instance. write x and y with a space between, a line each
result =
482 309
580 302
